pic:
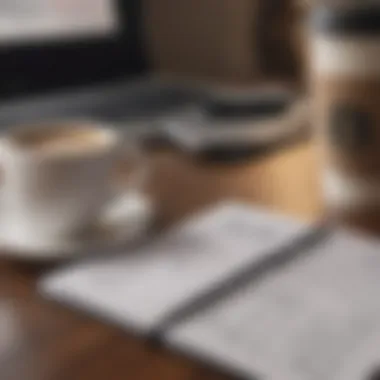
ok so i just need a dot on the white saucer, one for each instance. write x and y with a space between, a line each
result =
126 223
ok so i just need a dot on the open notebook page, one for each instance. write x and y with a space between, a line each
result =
141 288
314 319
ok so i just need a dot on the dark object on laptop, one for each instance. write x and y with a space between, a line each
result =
251 104
233 125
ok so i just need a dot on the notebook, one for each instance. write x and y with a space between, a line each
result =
200 259
257 295
317 317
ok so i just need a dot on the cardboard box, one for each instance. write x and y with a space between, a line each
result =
232 41
210 39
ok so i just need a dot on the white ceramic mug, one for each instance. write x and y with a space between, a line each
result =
50 194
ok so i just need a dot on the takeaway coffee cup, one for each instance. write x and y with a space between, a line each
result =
345 72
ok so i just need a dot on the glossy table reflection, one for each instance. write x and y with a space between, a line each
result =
44 341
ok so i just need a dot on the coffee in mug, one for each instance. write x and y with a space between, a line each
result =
345 71
61 140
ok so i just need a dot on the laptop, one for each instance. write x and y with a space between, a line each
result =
82 58
46 46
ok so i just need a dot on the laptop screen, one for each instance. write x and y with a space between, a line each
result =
49 45
44 20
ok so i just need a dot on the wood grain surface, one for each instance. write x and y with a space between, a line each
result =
43 341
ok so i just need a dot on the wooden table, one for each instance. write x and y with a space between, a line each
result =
43 341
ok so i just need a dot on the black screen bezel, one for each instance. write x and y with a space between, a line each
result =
52 65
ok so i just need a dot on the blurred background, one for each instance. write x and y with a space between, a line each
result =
46 45
223 77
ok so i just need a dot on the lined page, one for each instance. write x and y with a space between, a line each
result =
314 319
139 289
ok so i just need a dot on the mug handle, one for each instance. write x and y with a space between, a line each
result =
129 201
2 171
138 178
